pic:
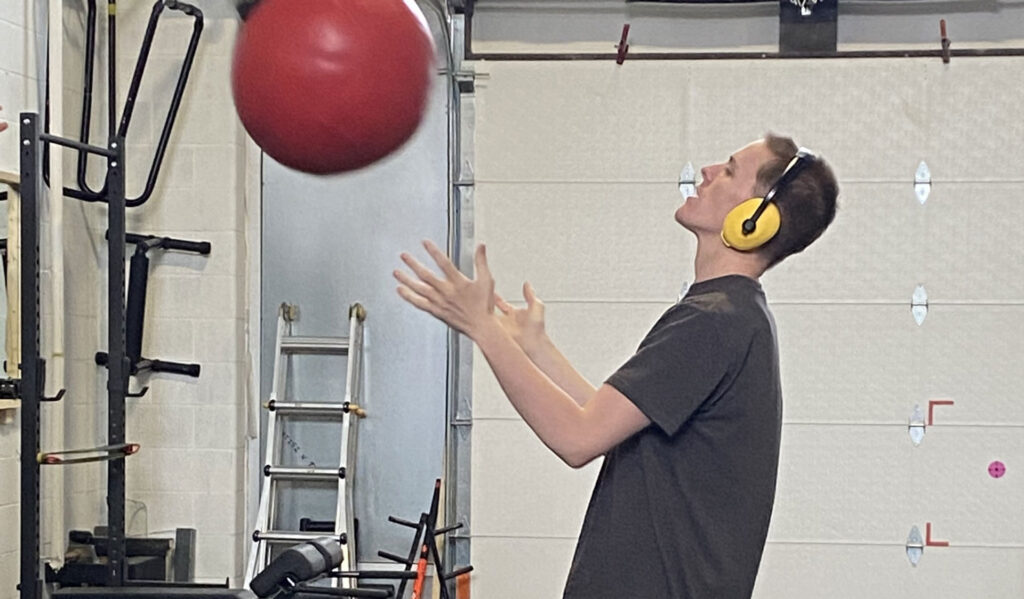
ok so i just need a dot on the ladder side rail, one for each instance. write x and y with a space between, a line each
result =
264 517
344 522
353 382
279 362
274 454
344 519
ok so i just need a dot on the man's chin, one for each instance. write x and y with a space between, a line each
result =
680 217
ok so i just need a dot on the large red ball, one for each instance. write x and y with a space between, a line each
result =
327 86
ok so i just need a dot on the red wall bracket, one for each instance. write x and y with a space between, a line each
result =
928 537
623 46
931 408
945 41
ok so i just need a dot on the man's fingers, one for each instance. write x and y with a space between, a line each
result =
419 287
533 303
501 304
421 271
482 270
415 299
528 293
442 261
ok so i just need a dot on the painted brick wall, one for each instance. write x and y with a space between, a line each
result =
84 485
189 472
18 83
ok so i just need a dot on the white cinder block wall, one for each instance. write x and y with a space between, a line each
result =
576 182
18 92
190 470
83 503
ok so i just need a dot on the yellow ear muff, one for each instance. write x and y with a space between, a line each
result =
766 228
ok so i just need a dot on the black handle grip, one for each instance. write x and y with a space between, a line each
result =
199 247
168 243
175 368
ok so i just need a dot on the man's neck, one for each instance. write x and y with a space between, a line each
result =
715 260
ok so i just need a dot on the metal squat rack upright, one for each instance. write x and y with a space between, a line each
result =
33 367
34 144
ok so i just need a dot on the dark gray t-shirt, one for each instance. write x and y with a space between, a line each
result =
681 509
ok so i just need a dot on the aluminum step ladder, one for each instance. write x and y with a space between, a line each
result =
347 412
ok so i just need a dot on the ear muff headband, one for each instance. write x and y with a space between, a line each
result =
754 222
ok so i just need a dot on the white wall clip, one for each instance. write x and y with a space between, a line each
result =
917 426
806 6
687 181
919 304
922 182
915 546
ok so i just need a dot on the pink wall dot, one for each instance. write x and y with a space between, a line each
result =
997 469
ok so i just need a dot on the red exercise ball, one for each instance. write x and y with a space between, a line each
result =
327 86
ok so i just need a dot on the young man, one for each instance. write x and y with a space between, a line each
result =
690 425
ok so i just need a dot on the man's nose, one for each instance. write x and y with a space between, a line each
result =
706 173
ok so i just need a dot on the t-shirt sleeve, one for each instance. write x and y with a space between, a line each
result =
678 366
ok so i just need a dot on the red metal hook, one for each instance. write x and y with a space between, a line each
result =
623 45
945 41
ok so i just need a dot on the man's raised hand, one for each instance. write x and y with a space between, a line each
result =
525 325
462 303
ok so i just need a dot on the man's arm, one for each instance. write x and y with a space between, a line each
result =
576 433
553 363
526 326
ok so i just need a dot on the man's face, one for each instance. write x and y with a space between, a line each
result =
723 187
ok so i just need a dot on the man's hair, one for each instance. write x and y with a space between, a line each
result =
806 205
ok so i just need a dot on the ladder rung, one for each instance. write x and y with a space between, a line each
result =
314 345
279 536
299 473
313 409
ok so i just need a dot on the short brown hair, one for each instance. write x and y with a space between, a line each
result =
807 205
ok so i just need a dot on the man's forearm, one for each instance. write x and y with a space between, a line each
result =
557 367
553 414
